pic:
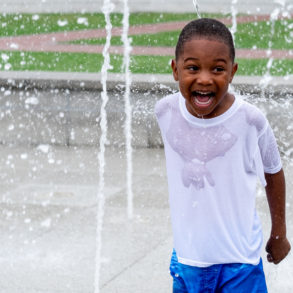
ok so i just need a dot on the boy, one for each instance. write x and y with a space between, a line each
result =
216 145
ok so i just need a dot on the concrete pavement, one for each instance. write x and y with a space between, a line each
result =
49 193
223 6
48 223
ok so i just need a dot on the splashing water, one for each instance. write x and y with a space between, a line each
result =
196 8
264 82
106 9
128 108
234 18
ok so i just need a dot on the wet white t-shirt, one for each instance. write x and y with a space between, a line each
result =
212 168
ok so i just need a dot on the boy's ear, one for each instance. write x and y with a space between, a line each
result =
234 69
174 69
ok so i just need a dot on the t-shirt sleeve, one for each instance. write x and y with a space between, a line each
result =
162 108
159 112
269 151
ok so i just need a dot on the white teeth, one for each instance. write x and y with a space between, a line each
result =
203 103
204 93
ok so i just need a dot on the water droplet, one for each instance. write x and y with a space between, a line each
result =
23 156
35 17
10 127
82 20
5 57
62 22
46 223
43 148
32 101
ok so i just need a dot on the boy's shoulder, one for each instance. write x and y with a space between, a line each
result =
167 103
254 116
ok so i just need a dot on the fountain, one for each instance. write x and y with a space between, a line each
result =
234 18
195 4
128 108
267 76
52 239
107 9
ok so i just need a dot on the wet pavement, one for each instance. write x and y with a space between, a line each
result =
48 222
49 193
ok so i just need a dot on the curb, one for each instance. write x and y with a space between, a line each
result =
70 117
91 81
140 82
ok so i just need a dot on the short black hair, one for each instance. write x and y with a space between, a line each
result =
205 28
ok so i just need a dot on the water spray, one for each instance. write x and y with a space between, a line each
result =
264 82
233 29
196 8
107 8
128 107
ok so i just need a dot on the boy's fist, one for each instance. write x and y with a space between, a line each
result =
277 249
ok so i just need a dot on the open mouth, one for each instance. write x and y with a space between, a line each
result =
202 99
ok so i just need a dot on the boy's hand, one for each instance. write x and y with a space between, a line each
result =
277 249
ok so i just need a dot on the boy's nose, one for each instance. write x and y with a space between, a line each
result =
204 78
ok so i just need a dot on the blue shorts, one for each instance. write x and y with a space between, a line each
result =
225 278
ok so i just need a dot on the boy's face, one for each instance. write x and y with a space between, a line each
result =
204 71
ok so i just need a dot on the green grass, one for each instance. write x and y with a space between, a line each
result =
258 67
50 61
244 38
22 24
162 39
248 35
154 17
80 62
26 24
259 35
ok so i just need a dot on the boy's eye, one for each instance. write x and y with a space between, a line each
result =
219 69
193 68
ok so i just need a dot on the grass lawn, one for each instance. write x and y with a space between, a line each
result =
22 24
249 35
79 62
245 37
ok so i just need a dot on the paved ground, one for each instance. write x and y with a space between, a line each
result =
248 6
48 223
48 199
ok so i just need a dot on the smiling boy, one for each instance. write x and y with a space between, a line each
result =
216 146
207 97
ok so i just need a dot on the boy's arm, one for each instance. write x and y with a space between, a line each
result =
278 245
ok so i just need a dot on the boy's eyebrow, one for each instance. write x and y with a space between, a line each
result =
190 58
196 59
221 59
